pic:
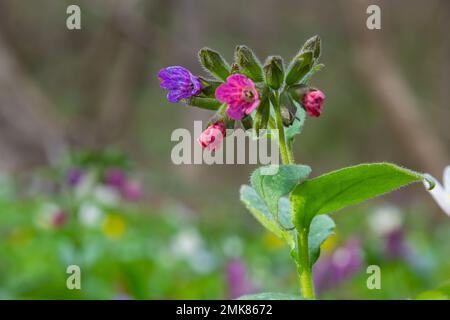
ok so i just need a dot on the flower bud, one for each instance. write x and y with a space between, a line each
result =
299 67
274 72
313 44
212 137
214 63
313 102
288 109
248 63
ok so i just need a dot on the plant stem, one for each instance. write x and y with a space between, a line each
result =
290 152
304 268
281 137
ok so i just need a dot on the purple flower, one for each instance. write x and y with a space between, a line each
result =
74 176
395 244
115 177
180 82
238 284
342 264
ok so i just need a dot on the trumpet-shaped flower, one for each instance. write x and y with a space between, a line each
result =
441 193
240 94
181 83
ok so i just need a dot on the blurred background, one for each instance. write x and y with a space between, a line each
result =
86 176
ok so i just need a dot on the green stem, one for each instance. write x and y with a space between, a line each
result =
281 137
304 267
290 152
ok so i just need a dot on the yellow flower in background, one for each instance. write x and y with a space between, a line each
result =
272 241
21 236
113 226
330 243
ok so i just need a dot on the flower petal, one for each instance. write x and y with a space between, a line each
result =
446 179
235 113
441 197
177 95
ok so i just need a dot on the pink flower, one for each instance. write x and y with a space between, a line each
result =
212 136
59 219
313 102
240 94
132 191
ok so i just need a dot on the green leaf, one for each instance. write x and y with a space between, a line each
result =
274 182
349 186
321 228
259 210
441 293
432 295
270 296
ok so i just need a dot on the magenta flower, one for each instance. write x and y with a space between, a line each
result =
115 177
59 219
313 102
342 264
212 136
74 176
180 82
131 191
240 94
237 279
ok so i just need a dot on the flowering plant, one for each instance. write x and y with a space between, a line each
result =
277 99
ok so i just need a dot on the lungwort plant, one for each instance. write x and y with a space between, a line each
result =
273 100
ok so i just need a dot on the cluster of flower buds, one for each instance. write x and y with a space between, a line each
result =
244 91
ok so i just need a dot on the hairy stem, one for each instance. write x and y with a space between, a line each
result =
281 137
304 268
290 152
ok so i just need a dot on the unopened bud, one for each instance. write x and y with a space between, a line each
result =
214 63
274 72
248 63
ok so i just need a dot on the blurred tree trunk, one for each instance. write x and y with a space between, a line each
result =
401 108
31 130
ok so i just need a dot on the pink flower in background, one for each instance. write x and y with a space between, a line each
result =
240 94
131 191
59 219
313 102
115 177
212 136
238 283
341 265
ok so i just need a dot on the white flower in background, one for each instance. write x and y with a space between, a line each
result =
440 193
232 246
188 245
90 215
385 220
106 195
